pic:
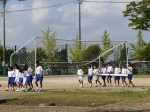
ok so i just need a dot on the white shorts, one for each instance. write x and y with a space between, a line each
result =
24 80
17 79
96 77
80 77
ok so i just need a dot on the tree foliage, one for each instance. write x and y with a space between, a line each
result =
40 55
77 52
138 47
146 52
62 56
49 42
91 52
106 45
139 14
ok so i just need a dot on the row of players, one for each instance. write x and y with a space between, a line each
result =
19 79
108 69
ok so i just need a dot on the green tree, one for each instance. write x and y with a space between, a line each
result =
91 52
8 54
40 55
139 14
146 52
49 42
138 47
106 45
76 53
62 55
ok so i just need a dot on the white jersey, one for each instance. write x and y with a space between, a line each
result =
30 71
96 71
110 69
90 71
124 71
11 73
20 75
80 72
39 70
103 70
117 71
16 72
129 70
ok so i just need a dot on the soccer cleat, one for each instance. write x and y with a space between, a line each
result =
108 85
81 85
36 90
7 89
114 85
17 89
90 85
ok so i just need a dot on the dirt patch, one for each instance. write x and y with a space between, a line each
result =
70 83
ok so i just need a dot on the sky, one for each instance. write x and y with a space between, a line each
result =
22 26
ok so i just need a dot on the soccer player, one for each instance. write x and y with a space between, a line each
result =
96 73
103 71
39 76
124 71
90 75
29 77
20 80
109 71
117 78
16 83
10 79
25 73
80 74
130 71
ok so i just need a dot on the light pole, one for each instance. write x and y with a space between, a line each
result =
3 3
80 2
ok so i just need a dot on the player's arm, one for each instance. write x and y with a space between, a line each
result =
130 69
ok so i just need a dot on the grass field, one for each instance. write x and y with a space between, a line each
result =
65 91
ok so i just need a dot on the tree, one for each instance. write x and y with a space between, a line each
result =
76 53
40 55
92 52
62 55
106 45
49 42
146 52
138 47
139 14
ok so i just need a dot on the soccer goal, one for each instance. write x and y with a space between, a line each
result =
61 56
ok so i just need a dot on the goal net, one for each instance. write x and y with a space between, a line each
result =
61 57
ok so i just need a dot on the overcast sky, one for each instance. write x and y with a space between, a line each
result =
96 17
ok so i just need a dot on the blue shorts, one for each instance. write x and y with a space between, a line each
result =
103 77
116 77
20 80
39 77
90 77
130 76
13 79
109 76
9 80
123 77
29 79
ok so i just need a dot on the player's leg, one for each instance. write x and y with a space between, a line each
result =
118 79
41 82
36 81
115 78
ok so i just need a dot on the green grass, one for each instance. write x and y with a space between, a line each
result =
80 98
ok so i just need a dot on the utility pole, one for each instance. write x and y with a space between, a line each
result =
3 3
80 2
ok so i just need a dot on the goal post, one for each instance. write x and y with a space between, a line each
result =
68 55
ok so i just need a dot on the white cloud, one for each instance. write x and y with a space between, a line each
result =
41 13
